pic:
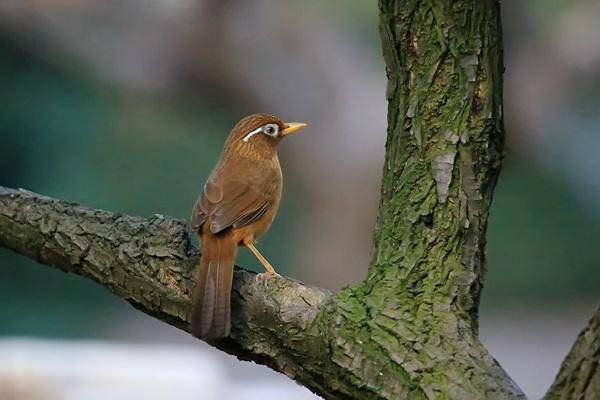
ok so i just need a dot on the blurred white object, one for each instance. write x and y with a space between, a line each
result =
85 370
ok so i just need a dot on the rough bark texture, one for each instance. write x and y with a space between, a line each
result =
410 329
579 376
148 262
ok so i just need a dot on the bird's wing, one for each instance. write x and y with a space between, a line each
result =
198 216
228 203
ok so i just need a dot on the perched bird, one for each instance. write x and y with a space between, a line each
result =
237 205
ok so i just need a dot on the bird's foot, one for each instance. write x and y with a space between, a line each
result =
265 276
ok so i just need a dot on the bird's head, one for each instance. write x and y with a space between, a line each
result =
261 131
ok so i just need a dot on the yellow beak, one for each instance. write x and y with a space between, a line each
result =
292 127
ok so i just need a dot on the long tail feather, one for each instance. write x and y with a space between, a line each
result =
211 309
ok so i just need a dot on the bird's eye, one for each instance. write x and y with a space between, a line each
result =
271 129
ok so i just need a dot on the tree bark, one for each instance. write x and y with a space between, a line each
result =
579 376
410 329
149 263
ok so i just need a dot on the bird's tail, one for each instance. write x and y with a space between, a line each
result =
211 308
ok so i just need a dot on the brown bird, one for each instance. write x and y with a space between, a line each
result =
238 204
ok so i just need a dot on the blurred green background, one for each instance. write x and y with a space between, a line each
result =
84 120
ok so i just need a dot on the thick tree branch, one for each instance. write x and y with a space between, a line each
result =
579 376
148 262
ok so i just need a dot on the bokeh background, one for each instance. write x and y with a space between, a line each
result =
124 105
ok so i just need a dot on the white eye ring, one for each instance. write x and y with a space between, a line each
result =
268 129
271 129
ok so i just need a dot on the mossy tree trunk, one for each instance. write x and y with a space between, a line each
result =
410 329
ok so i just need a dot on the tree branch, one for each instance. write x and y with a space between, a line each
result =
579 376
320 340
148 262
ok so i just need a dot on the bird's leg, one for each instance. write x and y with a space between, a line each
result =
270 270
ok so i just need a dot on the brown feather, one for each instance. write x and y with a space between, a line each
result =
211 314
237 204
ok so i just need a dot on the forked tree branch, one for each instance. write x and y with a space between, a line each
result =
284 324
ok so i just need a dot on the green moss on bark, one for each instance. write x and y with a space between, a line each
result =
409 331
579 375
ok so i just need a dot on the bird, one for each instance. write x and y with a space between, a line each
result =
236 206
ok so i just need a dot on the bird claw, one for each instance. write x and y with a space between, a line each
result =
265 276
